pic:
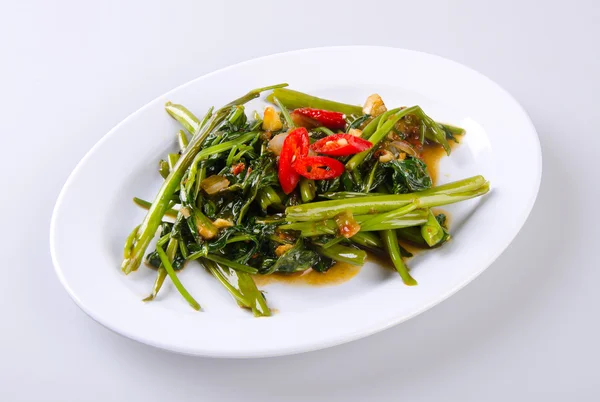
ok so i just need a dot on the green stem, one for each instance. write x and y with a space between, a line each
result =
413 235
178 285
129 242
163 240
161 275
146 205
183 116
250 290
455 130
345 254
367 239
163 168
391 244
294 99
371 127
237 112
270 220
367 186
334 241
385 115
263 201
182 140
345 195
267 197
272 195
162 272
172 161
229 161
434 132
379 219
221 274
241 286
284 111
436 196
432 231
307 189
238 238
329 226
232 264
207 116
324 130
183 249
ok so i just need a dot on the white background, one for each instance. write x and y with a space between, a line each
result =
527 329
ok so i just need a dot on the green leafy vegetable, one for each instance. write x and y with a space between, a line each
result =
221 204
407 176
296 259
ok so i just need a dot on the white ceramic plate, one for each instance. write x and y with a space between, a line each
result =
94 212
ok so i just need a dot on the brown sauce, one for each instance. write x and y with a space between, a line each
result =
339 273
431 155
380 259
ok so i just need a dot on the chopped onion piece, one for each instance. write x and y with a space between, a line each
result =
213 184
405 147
276 143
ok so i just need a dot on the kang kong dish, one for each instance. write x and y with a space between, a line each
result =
307 183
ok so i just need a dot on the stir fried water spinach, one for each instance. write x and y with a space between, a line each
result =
298 188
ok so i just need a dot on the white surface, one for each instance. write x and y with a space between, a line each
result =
526 329
123 165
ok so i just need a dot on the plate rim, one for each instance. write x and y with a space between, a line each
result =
342 337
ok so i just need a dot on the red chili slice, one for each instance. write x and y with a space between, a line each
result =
318 167
341 145
294 147
332 120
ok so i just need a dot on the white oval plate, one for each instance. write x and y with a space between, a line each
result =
94 212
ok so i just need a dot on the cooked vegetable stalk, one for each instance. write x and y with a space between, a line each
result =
367 239
391 244
267 197
413 235
307 189
129 242
371 127
172 160
345 254
241 286
146 205
434 132
182 140
232 264
184 117
163 168
294 99
285 113
162 272
396 213
436 196
178 285
432 231
329 226
171 183
453 129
